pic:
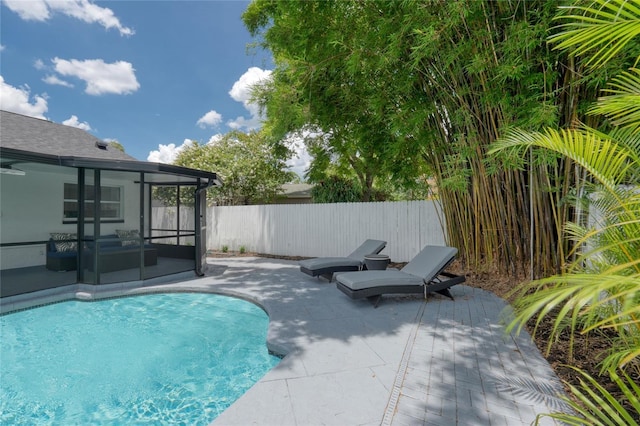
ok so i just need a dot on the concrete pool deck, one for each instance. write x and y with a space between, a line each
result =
408 362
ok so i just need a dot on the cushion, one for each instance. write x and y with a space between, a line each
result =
370 279
111 240
65 241
324 262
128 237
62 254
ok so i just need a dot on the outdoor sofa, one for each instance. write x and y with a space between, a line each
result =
116 252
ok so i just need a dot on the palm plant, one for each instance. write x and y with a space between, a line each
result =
600 289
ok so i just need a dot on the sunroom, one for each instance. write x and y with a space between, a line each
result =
99 218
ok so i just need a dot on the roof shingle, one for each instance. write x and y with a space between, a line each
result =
46 137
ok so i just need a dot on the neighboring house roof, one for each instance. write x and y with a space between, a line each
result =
46 137
35 139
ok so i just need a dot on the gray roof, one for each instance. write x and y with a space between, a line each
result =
32 140
46 137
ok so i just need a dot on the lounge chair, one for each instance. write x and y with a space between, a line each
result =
422 275
326 266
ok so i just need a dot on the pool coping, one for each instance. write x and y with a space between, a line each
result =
86 292
409 361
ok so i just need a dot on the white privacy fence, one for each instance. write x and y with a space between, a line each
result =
326 229
312 230
316 229
166 221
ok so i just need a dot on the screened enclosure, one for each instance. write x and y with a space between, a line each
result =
79 220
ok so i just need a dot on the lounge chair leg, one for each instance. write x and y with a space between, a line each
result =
445 292
328 277
375 300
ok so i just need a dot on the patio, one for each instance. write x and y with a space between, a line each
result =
407 362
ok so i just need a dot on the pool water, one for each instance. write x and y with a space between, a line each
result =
177 358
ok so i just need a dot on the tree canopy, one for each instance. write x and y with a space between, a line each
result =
411 89
599 292
252 171
117 145
332 72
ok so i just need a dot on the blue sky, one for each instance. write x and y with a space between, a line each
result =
148 74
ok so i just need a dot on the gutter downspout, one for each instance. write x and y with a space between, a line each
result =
201 225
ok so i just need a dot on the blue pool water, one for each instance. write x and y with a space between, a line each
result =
173 358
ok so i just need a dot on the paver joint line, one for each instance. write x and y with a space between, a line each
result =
402 370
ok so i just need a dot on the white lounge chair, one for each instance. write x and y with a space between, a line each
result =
326 266
422 275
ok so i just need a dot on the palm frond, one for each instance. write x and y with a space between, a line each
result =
622 105
602 289
600 30
602 157
620 357
595 405
579 299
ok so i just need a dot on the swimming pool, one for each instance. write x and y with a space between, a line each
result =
178 358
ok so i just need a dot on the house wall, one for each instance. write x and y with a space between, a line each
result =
31 207
28 211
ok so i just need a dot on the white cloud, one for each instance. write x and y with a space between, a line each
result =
29 10
38 64
301 159
250 123
241 92
2 47
101 78
300 162
55 80
215 139
74 122
84 10
210 119
168 153
18 100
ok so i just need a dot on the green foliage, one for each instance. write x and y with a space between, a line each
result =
607 160
601 289
252 170
336 190
242 249
599 31
168 195
334 73
421 188
622 104
117 145
225 248
596 406
401 91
